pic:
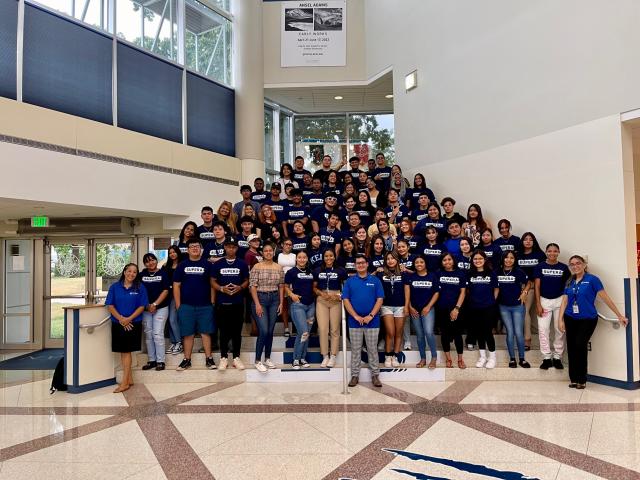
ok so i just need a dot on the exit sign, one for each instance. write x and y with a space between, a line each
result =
40 221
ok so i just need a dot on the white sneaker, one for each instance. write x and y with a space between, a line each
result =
470 347
325 361
387 361
394 362
269 363
332 361
170 348
178 348
407 345
491 363
296 365
481 361
261 367
224 363
237 363
304 363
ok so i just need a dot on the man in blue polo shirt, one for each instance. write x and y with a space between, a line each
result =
363 296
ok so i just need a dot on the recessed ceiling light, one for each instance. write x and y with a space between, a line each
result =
389 96
338 97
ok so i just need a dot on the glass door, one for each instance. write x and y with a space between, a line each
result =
17 325
110 258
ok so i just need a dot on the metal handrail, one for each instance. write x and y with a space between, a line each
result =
614 321
91 327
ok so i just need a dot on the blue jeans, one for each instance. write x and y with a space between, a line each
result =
266 322
153 324
174 326
423 325
302 316
513 319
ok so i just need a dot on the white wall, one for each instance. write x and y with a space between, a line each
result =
354 70
498 71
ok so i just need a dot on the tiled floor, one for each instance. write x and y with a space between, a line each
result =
428 430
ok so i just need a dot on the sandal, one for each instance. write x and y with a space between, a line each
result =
433 363
122 388
461 364
421 363
449 363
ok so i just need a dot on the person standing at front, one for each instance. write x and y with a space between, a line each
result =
363 296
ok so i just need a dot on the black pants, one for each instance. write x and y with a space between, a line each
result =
578 335
230 320
450 330
482 322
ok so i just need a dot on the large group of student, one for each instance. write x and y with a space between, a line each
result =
367 241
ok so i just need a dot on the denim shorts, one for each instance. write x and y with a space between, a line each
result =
195 318
397 312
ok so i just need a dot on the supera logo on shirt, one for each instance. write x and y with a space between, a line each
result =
486 279
422 284
194 270
507 248
506 278
432 251
551 272
316 201
304 276
216 252
420 216
206 235
450 280
327 239
330 275
300 246
277 208
230 271
296 213
152 279
529 262
392 278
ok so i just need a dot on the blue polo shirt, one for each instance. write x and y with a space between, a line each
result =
225 272
422 288
330 278
301 283
583 293
126 300
363 293
480 288
511 285
453 246
155 283
552 278
194 279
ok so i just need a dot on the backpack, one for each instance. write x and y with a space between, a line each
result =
57 382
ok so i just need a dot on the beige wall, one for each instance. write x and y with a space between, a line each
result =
355 70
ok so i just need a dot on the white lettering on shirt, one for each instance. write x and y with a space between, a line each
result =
552 272
196 270
486 279
421 284
151 279
230 271
506 279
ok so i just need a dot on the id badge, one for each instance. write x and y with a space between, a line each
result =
576 310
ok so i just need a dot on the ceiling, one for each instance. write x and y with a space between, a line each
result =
367 98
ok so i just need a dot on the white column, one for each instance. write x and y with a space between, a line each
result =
249 83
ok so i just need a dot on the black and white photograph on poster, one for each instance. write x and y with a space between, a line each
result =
313 33
298 19
327 19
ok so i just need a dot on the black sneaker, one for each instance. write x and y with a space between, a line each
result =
546 364
210 363
160 366
149 366
557 363
512 363
523 363
184 364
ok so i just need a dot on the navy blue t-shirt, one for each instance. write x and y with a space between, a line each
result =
480 287
225 272
422 288
155 283
415 243
330 239
416 214
366 215
463 263
450 285
509 244
529 261
393 289
408 261
301 283
330 278
385 178
432 254
375 262
511 285
299 243
194 277
214 249
348 263
243 245
440 224
314 200
403 212
552 278
413 194
315 256
453 246
296 213
493 252
259 197
205 234
279 208
298 175
321 215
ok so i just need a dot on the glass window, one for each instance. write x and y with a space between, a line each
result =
92 12
286 155
208 42
370 134
317 136
269 163
222 4
152 27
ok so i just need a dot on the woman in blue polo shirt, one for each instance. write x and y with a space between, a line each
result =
581 317
482 290
421 293
328 280
126 300
550 277
514 287
392 311
299 288
156 282
453 289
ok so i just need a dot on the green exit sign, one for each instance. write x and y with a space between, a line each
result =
40 221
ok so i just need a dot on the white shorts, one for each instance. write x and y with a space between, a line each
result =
397 312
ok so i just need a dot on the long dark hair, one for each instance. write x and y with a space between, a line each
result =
136 282
178 259
480 222
324 264
424 182
504 255
195 231
535 248
487 263
572 278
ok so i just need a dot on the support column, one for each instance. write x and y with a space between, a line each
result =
249 82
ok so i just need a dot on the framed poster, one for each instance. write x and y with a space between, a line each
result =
313 34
